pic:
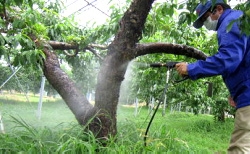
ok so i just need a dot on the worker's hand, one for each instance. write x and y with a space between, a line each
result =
231 102
182 68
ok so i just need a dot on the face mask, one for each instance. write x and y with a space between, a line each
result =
210 24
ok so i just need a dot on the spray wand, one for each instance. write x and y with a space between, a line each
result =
168 65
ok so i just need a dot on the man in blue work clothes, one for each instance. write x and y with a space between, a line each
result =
232 61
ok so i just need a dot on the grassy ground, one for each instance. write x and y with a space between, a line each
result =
196 133
54 111
57 130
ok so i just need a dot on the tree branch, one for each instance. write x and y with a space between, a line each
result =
169 48
103 47
62 46
95 53
71 55
66 46
4 14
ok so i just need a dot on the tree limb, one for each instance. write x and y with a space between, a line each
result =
95 53
4 14
103 47
67 89
169 48
62 45
66 46
69 54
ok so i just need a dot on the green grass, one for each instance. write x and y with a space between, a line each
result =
58 132
54 110
194 133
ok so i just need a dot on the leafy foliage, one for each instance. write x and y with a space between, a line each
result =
27 20
244 20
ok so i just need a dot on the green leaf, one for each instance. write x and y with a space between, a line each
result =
30 3
230 25
2 51
2 40
19 2
247 13
182 18
16 61
181 6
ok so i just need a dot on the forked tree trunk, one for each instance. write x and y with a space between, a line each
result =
122 50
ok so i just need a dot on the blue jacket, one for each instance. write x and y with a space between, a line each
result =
232 60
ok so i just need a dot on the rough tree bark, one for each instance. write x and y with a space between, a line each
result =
121 51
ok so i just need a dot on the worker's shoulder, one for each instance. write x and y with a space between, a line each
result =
235 14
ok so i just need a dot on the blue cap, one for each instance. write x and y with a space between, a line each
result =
201 9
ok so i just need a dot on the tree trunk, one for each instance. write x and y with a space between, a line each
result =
113 69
